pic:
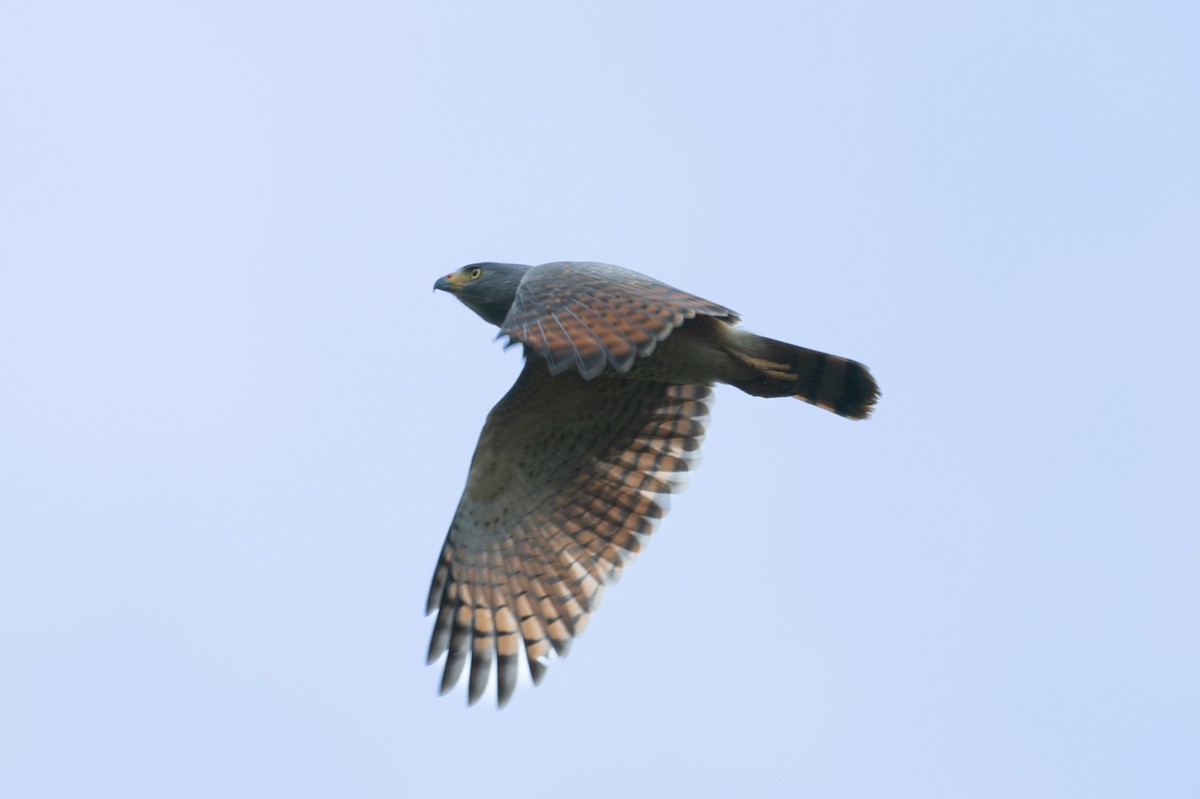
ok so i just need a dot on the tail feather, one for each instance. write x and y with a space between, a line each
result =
778 369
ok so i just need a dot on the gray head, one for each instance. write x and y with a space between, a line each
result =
487 289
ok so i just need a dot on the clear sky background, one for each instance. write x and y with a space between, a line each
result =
234 421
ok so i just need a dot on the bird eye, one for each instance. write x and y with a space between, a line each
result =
476 272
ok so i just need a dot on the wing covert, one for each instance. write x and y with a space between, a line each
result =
586 316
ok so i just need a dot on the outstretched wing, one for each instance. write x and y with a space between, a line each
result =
565 483
587 315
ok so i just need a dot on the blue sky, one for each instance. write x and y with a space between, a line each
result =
234 422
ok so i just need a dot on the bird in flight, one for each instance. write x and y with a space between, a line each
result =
573 463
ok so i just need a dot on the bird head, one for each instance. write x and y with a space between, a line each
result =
487 289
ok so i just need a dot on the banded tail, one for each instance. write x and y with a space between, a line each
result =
778 369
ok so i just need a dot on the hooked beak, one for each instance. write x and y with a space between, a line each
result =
443 283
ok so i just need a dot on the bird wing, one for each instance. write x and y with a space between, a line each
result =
587 315
567 480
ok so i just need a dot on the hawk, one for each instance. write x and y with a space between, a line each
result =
572 465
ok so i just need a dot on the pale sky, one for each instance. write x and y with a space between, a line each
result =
234 421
